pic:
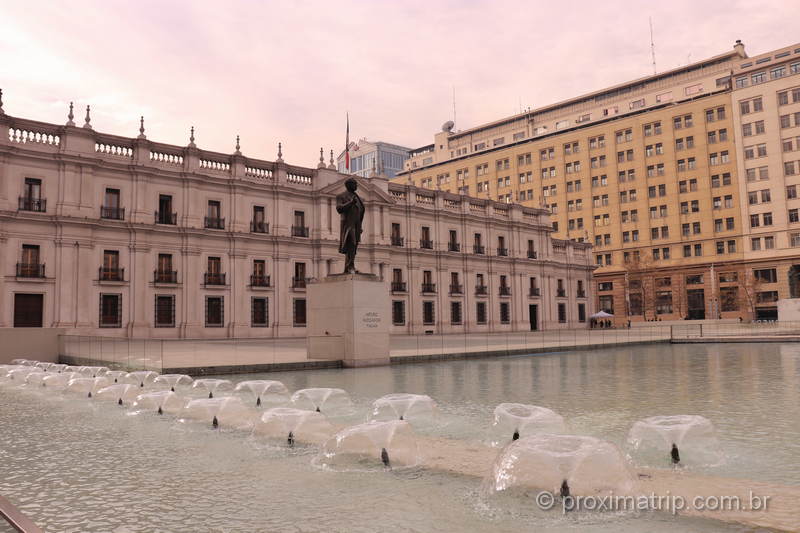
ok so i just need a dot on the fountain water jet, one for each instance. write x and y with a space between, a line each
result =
92 371
116 376
285 424
650 441
141 377
160 401
20 374
517 420
86 386
212 385
264 389
371 446
581 464
329 401
418 409
173 380
121 393
227 411
58 381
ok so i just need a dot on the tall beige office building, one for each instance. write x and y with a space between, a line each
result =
663 175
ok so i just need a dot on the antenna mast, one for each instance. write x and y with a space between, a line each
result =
652 45
454 107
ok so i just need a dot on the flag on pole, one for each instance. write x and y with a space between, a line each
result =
347 145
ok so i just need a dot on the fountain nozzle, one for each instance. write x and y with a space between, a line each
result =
675 454
160 410
318 410
401 417
89 395
215 422
210 394
385 458
258 401
290 440
141 384
172 389
515 436
564 491
119 402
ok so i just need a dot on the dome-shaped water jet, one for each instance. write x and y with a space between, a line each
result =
418 409
371 446
264 390
174 380
328 401
690 440
515 420
164 401
545 462
212 386
228 412
285 424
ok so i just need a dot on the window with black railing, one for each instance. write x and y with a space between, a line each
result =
534 291
111 273
580 293
502 252
428 287
456 289
479 249
481 289
215 311
112 213
299 231
561 293
165 311
110 311
426 244
260 280
165 276
259 226
37 205
298 282
166 217
532 254
397 240
30 270
501 246
505 290
425 240
452 243
214 278
214 223
398 286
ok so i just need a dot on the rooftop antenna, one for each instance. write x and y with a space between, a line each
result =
454 106
652 45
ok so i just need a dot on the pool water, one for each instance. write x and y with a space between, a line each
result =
77 465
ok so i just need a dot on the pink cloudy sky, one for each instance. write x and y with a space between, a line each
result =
287 71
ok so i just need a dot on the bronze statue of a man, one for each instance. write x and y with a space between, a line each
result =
351 208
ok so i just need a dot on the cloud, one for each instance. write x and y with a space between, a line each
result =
288 71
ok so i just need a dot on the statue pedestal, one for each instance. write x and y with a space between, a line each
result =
348 319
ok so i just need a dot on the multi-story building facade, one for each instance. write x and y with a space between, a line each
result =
647 172
109 235
766 114
366 157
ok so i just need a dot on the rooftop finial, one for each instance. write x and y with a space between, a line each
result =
71 115
321 163
141 127
280 152
238 146
1 102
331 164
191 137
88 123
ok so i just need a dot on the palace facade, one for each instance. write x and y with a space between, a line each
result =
116 236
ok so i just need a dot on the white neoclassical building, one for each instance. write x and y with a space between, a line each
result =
117 236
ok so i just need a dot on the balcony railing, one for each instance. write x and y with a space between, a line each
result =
259 226
532 254
30 270
259 280
534 291
428 287
214 278
453 247
397 240
581 294
165 276
298 283
505 291
399 286
299 231
502 252
214 223
481 290
426 244
167 218
111 274
479 249
112 213
561 293
456 288
28 203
